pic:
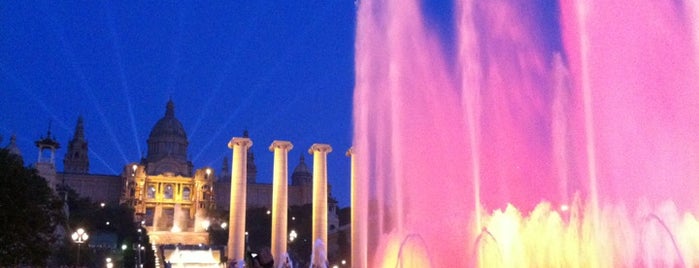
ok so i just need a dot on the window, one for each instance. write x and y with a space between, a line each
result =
168 191
185 193
151 191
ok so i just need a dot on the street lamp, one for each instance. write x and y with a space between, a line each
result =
138 247
79 237
292 235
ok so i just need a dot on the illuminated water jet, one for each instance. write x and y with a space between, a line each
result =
191 257
521 155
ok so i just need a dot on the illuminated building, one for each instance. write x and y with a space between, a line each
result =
168 197
167 193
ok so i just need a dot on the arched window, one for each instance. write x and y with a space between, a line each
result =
185 193
151 191
168 191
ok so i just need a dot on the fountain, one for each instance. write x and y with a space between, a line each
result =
485 146
192 256
318 256
179 219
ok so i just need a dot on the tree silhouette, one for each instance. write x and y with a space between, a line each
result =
29 214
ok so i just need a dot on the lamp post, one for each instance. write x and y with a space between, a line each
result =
292 235
139 247
208 176
79 237
108 262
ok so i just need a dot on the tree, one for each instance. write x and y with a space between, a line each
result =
103 219
29 214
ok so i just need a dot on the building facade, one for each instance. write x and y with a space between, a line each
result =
170 198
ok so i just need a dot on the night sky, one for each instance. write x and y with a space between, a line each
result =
283 70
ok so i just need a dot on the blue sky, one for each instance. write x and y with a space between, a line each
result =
283 70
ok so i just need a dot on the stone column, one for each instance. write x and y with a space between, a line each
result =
157 215
357 220
140 195
236 233
320 203
280 206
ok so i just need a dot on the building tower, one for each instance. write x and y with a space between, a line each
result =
251 167
225 170
76 160
13 148
46 164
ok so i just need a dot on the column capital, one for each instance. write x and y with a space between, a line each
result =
350 152
245 142
286 145
320 147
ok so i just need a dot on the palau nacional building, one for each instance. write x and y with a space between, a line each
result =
170 196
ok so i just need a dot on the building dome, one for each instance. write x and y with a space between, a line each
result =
168 127
302 174
167 145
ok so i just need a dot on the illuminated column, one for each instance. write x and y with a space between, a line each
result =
236 233
280 184
357 219
320 202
